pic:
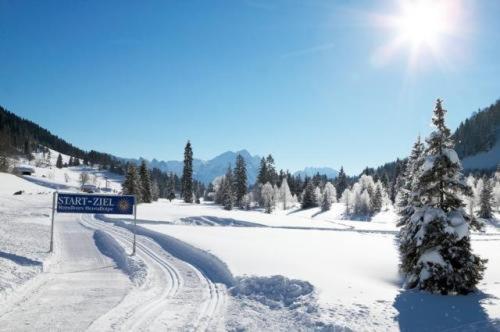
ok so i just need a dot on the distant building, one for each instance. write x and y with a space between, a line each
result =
24 170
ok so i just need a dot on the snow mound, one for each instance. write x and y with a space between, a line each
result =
132 266
210 265
275 291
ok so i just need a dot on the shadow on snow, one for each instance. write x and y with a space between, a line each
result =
418 311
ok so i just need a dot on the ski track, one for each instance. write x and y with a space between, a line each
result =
152 310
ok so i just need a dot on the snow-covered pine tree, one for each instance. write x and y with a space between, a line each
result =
155 190
145 178
435 250
170 190
227 190
285 195
346 198
267 196
271 170
132 183
318 195
486 200
309 197
329 197
240 181
341 182
409 179
496 189
187 174
377 199
59 162
262 177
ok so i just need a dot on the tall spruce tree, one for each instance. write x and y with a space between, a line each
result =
341 182
59 162
435 249
262 175
486 200
187 174
240 182
132 183
272 175
145 178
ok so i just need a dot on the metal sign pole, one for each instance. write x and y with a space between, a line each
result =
135 224
52 224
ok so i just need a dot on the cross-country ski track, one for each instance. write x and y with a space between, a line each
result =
82 289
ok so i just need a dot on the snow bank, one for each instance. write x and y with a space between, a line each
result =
132 266
211 266
275 291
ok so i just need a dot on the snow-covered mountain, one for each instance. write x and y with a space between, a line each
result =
207 171
312 171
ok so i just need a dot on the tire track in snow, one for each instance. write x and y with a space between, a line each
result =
144 315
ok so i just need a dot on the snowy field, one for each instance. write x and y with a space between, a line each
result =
352 264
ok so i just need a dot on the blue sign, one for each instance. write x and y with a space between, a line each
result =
107 204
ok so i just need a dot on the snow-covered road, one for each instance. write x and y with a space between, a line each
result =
78 286
83 289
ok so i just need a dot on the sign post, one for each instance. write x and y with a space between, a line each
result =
135 226
89 203
52 224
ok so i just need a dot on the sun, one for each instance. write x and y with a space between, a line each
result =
422 23
423 28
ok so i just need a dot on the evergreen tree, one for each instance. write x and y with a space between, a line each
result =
341 182
377 199
406 198
76 162
262 176
285 195
329 197
486 200
309 197
227 190
240 183
272 176
59 162
70 162
170 189
145 178
187 174
155 190
132 185
435 242
268 199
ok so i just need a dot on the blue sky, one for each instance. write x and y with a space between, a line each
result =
302 80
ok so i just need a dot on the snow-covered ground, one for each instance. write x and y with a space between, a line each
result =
186 269
353 265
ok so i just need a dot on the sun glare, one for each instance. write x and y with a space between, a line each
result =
422 22
423 27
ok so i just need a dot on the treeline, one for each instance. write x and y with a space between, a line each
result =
479 132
